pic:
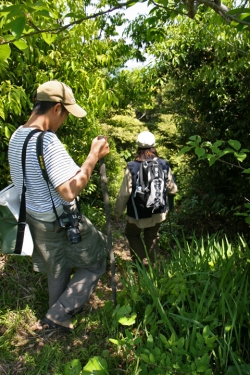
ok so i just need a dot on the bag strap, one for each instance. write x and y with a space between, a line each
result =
39 152
22 211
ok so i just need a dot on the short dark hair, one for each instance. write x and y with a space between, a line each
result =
40 108
146 154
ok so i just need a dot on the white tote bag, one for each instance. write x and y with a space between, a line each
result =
9 216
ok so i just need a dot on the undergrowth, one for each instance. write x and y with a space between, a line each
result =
186 314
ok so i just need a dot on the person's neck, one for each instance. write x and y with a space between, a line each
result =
37 122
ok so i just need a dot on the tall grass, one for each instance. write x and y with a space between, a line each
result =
199 303
185 314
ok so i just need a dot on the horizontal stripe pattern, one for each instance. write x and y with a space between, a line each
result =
60 168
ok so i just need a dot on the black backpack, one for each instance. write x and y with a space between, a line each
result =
150 192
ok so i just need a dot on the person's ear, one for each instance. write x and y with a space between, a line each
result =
57 109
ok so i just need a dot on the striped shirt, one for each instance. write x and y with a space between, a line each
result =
59 165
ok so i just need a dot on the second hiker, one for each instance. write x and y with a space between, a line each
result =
139 219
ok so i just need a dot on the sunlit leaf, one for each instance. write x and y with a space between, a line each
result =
5 52
95 366
20 44
235 144
2 113
127 321
246 170
7 132
240 156
48 38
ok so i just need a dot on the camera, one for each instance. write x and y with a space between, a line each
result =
70 222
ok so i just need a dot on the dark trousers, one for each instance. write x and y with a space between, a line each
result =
68 294
138 244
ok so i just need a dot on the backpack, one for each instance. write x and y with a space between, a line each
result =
150 192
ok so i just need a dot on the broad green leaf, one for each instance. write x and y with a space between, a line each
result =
196 138
43 12
48 38
7 132
10 9
114 341
163 2
199 337
95 366
5 52
144 357
2 112
17 26
180 343
212 161
151 358
152 20
204 359
73 15
218 143
127 321
227 151
235 144
20 44
163 339
183 150
244 17
123 310
238 10
246 170
240 156
73 367
199 151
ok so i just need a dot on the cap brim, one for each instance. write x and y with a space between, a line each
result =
75 110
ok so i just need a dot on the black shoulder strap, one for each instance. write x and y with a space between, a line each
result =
39 152
22 211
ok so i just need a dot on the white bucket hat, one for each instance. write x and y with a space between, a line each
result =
145 140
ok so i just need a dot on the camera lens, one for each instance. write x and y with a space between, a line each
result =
74 235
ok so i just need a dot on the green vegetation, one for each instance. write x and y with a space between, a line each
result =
189 313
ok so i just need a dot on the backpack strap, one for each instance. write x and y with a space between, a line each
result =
134 206
39 152
22 211
40 157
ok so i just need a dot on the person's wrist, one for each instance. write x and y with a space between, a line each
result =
93 156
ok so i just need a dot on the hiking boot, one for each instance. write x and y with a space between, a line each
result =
66 326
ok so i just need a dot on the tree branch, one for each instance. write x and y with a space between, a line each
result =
62 28
216 5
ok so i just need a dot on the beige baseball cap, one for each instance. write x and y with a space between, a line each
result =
146 140
55 91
